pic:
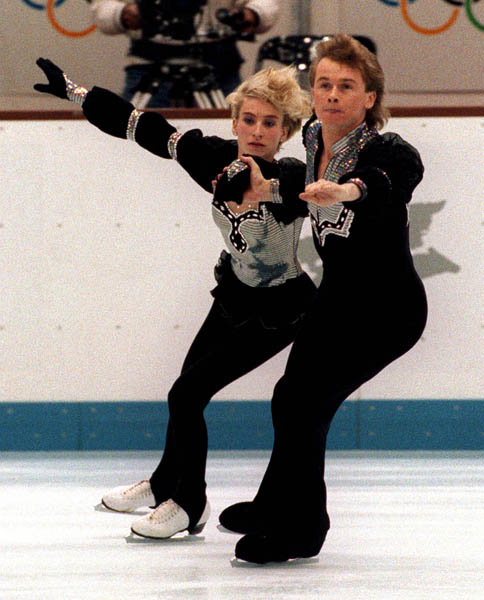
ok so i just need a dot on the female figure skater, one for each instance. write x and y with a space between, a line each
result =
262 291
370 308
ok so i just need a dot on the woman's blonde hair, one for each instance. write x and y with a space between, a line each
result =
345 49
280 88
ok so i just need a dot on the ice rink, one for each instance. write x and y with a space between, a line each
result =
404 526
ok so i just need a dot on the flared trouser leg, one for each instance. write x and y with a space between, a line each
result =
334 353
220 354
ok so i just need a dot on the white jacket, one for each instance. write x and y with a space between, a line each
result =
107 13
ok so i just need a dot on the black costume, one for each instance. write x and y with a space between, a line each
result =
369 310
259 300
262 292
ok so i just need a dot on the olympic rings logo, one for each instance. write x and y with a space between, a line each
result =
49 6
458 4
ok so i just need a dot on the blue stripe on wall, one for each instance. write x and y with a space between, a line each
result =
375 425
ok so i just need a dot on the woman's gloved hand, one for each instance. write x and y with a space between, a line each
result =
104 109
57 81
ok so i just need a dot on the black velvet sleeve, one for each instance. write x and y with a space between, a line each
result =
107 111
204 157
391 168
110 113
292 181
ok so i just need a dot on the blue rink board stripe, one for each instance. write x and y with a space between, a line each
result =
240 425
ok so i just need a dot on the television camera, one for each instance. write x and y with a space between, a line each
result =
185 23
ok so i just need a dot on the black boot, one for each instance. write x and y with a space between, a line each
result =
258 548
242 517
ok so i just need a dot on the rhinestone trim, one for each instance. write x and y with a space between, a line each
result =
75 93
173 143
361 185
235 167
274 187
133 124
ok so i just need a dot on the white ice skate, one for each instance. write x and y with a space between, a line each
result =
166 520
129 498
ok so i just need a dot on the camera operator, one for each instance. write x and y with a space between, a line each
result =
217 25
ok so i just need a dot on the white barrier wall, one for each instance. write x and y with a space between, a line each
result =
107 254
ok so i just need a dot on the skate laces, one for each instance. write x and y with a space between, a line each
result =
166 511
140 489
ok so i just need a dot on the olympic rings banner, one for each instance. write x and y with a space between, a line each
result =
49 7
431 47
456 7
64 31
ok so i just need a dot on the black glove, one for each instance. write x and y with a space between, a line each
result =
233 187
57 82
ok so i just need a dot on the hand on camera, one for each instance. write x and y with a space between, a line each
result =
57 82
131 17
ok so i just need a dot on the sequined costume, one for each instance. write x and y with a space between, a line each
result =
370 309
261 295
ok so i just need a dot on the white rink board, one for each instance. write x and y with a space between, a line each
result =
107 257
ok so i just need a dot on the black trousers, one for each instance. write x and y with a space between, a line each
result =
347 337
222 352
